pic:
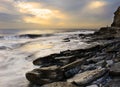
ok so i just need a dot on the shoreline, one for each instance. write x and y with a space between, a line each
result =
90 64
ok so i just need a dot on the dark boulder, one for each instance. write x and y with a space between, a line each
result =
45 75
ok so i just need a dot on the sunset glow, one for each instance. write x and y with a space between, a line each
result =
38 14
56 14
97 4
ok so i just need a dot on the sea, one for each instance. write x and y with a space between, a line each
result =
19 47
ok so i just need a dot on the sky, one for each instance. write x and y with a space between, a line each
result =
38 14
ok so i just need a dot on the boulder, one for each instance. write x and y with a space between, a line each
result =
34 78
59 84
45 75
46 61
116 21
87 76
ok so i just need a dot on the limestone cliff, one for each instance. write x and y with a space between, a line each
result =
116 21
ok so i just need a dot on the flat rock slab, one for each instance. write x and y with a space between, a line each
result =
87 77
59 84
115 69
44 75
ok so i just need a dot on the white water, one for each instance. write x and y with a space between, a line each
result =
17 54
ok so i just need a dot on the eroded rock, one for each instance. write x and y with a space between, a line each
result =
87 76
45 75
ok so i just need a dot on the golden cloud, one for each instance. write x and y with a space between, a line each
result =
40 15
96 4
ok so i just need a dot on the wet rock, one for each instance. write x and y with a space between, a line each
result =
59 84
116 21
44 61
45 75
87 76
65 59
109 63
92 86
34 78
115 69
66 40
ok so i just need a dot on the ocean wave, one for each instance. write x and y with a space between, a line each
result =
24 36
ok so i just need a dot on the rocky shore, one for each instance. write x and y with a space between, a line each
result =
95 66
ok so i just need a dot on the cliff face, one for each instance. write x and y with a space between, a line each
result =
116 21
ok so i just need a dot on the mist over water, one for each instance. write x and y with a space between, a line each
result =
17 53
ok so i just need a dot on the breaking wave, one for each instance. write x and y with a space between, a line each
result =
23 36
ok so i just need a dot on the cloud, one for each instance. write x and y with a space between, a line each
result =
96 4
57 13
39 14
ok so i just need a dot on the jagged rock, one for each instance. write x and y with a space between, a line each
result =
87 76
115 69
45 75
116 21
59 84
58 59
